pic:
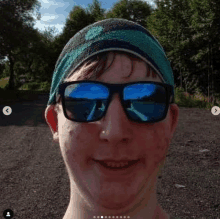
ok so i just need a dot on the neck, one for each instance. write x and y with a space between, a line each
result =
147 208
73 213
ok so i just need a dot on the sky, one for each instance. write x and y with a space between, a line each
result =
55 12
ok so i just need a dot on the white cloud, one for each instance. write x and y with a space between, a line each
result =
45 1
46 4
48 17
59 27
51 15
46 21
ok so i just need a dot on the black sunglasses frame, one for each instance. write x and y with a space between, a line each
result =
118 88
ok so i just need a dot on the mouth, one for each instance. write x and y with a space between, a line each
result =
113 168
117 165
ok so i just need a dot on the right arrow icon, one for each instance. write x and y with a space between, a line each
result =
215 110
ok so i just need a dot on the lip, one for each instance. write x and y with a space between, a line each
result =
116 161
117 174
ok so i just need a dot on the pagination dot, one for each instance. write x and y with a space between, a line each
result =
111 216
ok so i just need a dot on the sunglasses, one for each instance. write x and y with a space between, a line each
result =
143 102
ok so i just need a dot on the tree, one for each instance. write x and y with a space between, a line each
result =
2 67
205 23
16 29
186 28
95 11
37 60
76 20
134 10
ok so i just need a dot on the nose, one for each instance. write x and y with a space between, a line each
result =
116 127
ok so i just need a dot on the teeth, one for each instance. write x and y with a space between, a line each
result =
113 164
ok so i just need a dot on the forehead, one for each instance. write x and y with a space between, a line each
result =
122 69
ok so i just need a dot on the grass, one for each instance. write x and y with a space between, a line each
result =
30 91
27 92
4 82
197 100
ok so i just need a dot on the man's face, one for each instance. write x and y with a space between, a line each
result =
114 137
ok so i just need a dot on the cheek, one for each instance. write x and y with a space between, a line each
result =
67 136
74 142
159 148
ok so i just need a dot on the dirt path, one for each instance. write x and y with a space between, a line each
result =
34 182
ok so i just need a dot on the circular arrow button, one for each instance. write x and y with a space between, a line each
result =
7 110
215 110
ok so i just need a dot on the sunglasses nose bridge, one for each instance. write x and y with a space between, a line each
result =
116 91
115 107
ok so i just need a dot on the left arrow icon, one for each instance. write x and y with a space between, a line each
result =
7 110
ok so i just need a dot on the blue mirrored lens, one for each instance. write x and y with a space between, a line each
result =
85 101
139 91
86 91
145 102
146 112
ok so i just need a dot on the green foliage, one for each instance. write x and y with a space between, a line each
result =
95 11
36 86
77 19
134 10
6 71
45 86
187 29
48 35
179 91
3 82
17 23
196 101
30 86
2 67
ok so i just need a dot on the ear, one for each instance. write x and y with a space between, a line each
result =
51 119
174 117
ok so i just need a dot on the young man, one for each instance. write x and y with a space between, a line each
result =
112 111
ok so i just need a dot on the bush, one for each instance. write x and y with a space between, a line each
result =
33 86
45 86
6 71
37 86
198 100
3 82
30 86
